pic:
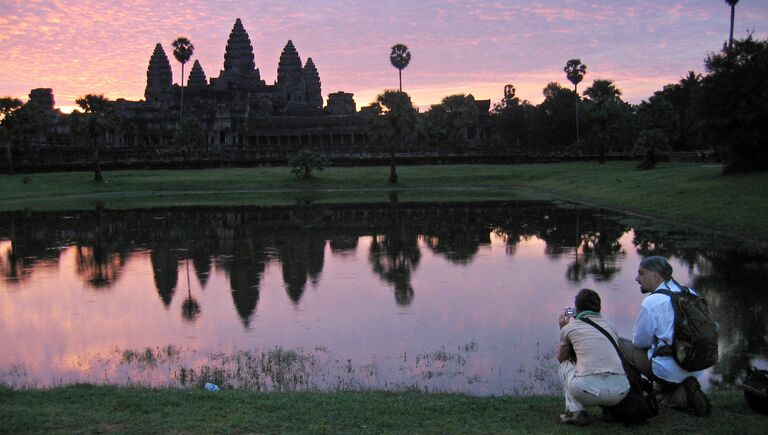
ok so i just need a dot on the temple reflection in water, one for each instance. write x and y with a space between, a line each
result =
190 251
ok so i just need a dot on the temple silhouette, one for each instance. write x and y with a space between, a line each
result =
239 119
239 89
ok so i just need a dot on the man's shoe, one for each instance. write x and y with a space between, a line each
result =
698 402
578 418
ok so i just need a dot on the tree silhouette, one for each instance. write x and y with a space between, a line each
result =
732 4
97 123
182 51
391 125
733 102
400 57
606 110
575 71
461 113
509 96
8 106
190 308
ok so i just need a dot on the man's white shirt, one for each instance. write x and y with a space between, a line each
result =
655 326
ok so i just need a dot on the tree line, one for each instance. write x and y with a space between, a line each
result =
719 114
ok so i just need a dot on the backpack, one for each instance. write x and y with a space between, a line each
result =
640 403
694 341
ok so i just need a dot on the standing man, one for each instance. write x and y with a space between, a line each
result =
650 350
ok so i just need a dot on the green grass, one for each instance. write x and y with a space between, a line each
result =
97 409
688 193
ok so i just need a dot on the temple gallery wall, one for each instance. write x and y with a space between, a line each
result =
235 117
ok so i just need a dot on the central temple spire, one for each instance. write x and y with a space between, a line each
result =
238 56
159 77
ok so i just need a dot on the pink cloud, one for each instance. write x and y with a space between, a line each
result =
77 47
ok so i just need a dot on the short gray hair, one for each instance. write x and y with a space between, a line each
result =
658 264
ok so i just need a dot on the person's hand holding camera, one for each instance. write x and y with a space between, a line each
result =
563 320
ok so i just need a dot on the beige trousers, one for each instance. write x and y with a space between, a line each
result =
604 389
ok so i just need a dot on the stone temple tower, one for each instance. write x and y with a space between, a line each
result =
290 75
313 92
196 77
239 67
159 77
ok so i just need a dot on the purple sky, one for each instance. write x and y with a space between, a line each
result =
80 47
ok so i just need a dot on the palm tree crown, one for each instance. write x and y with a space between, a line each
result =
400 57
182 51
575 71
92 103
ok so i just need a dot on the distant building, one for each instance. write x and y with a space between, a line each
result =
238 117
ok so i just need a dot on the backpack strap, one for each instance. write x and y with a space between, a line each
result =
610 338
663 348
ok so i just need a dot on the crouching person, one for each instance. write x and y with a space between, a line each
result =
590 368
650 350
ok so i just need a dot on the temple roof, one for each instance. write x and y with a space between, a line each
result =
289 67
159 76
196 76
239 52
312 80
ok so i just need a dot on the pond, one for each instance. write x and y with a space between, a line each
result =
397 296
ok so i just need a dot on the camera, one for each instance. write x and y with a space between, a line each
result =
568 312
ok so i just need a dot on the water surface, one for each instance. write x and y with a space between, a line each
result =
438 297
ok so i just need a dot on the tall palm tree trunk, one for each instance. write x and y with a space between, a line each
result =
730 37
392 169
97 177
181 109
400 74
576 101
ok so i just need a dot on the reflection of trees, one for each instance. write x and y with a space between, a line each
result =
458 244
562 230
343 244
393 257
97 266
734 285
29 246
592 239
395 254
165 267
598 252
301 255
190 308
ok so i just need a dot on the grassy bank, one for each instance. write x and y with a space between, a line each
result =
91 409
683 192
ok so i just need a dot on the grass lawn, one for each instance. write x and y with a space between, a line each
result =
689 193
97 409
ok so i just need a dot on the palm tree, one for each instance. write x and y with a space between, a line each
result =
575 71
96 124
400 57
391 126
182 51
8 105
732 4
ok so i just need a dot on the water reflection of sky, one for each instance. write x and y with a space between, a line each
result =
476 317
57 328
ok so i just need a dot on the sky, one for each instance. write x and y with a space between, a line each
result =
79 47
